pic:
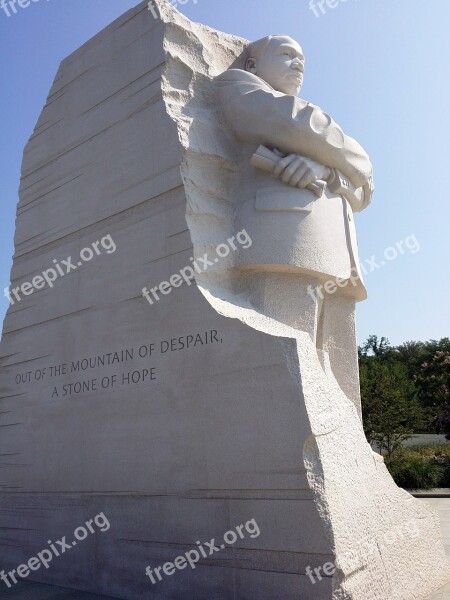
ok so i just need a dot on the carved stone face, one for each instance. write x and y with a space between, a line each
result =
281 64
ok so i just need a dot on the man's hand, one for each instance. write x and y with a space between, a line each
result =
299 171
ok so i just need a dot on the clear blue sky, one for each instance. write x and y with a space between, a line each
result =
379 67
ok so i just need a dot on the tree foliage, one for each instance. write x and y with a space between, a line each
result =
404 389
433 385
391 411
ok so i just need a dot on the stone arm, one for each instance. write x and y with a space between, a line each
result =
258 114
358 198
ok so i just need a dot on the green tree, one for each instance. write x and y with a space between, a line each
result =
411 354
375 347
391 411
428 370
433 387
414 354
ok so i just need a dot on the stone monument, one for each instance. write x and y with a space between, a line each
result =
178 364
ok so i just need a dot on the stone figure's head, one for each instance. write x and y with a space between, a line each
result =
279 60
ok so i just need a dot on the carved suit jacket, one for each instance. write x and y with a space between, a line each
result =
291 229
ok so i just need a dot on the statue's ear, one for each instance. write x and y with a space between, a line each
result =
250 65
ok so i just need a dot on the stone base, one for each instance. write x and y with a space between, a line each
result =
251 426
153 530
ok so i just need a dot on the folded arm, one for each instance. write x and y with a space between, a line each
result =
302 172
258 114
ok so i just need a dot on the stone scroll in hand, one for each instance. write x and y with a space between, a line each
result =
266 160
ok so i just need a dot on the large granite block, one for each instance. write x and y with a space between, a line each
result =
186 417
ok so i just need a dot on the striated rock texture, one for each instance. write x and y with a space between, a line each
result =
216 439
248 423
386 544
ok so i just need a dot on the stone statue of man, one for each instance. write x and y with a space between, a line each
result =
302 179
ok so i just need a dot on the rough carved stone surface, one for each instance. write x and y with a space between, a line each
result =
357 500
251 424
